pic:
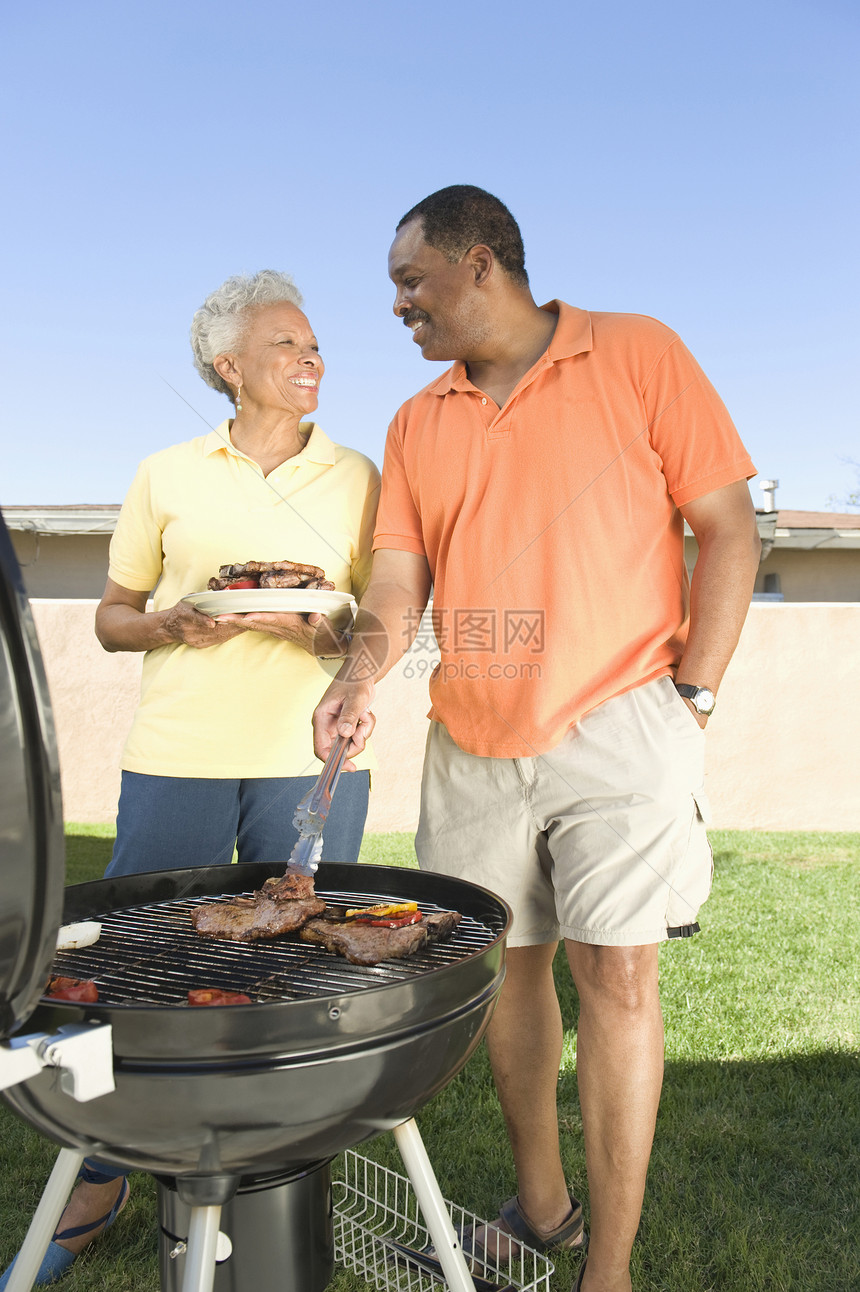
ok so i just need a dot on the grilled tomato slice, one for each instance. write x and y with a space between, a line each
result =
215 996
77 989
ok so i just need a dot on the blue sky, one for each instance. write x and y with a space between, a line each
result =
696 162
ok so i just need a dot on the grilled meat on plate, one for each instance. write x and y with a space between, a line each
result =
270 574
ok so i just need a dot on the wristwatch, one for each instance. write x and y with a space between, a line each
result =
703 699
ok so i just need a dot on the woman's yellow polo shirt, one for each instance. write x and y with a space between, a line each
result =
241 709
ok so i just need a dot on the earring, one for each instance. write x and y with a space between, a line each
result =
239 398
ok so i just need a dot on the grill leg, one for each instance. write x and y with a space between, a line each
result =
199 1273
433 1209
45 1221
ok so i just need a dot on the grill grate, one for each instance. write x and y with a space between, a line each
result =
375 1209
151 954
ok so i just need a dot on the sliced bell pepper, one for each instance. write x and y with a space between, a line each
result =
391 921
382 908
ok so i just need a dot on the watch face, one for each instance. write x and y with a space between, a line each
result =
704 701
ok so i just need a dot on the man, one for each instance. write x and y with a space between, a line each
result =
540 485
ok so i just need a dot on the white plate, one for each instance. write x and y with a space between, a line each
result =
295 601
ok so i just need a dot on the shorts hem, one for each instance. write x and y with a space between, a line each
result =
616 937
532 939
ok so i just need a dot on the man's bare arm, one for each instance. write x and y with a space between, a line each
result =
724 525
385 628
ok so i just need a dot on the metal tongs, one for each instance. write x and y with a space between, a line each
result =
312 811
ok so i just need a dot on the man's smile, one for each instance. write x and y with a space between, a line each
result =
415 321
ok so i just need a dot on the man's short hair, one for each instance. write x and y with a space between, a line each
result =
461 216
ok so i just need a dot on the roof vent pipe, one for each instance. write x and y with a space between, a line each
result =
769 488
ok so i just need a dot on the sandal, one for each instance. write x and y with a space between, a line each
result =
577 1287
427 1260
57 1260
514 1223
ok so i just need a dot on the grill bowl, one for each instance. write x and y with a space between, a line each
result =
284 1082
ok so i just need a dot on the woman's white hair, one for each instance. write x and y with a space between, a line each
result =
219 324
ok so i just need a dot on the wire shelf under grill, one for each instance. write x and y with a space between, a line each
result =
151 954
375 1209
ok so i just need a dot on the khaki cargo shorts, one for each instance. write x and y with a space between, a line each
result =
602 840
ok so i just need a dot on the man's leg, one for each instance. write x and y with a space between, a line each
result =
477 823
525 1041
619 1064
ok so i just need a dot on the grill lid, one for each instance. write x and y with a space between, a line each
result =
32 847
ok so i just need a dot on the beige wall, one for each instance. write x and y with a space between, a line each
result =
783 747
813 575
805 574
93 695
65 565
784 740
62 565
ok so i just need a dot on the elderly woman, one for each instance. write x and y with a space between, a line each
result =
220 750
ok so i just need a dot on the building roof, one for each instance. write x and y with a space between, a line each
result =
811 530
818 519
74 518
806 530
798 529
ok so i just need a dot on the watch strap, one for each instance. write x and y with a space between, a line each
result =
690 692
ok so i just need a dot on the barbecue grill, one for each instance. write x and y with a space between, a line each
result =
332 1054
221 1100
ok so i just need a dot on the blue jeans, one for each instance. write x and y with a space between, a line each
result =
172 822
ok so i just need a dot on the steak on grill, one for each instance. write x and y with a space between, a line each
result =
252 920
365 944
289 887
441 924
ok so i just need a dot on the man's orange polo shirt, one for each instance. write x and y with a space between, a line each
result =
552 527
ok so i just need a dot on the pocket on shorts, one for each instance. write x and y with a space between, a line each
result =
682 709
691 883
703 805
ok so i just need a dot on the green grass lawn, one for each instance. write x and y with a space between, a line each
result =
753 1184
